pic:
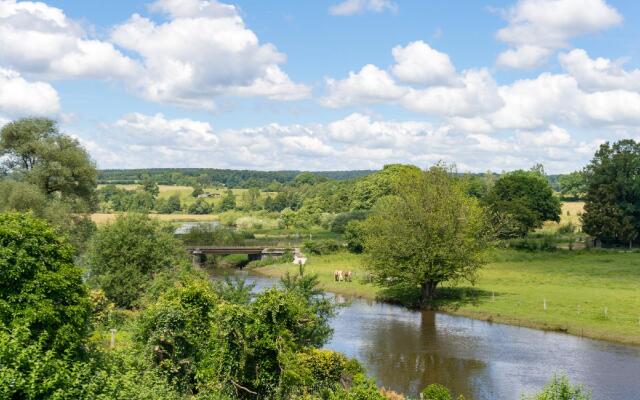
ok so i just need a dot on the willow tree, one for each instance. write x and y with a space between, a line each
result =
430 232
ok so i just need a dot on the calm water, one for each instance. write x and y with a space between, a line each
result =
406 350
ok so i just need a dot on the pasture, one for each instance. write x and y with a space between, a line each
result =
587 293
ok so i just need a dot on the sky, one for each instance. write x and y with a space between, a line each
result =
327 85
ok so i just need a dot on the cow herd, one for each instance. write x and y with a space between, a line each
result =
342 276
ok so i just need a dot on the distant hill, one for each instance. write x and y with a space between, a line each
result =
210 176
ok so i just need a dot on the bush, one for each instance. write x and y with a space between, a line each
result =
436 392
321 247
353 235
124 256
41 290
544 243
200 207
560 389
566 228
341 220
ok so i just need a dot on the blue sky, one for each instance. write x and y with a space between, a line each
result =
323 85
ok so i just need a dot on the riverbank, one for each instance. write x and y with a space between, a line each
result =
593 294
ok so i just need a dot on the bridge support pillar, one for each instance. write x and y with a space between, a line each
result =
197 258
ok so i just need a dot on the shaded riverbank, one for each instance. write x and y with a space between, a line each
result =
589 294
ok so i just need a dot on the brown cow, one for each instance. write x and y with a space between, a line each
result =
347 276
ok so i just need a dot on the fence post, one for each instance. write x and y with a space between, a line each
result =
112 344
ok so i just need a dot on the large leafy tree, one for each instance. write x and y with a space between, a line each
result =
386 182
430 232
36 151
123 257
612 208
40 288
526 198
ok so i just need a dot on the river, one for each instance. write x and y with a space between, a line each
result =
406 350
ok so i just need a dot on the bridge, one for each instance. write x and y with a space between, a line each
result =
254 253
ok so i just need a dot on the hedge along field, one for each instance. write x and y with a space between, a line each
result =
184 192
587 293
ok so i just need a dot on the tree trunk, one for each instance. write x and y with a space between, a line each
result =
428 292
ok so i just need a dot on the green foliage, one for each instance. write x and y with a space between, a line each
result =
150 186
354 236
200 206
612 207
383 183
28 370
560 389
321 247
40 288
174 330
543 243
36 152
573 186
436 392
228 202
123 257
207 234
170 205
197 191
341 220
431 232
525 199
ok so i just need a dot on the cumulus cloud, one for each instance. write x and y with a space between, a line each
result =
356 141
478 93
203 50
419 63
21 98
536 28
600 73
367 86
353 7
40 39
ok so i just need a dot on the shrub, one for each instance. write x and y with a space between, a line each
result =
320 247
341 220
200 207
436 392
544 243
41 289
124 256
566 228
353 235
560 389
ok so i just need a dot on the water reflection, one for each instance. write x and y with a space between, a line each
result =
406 350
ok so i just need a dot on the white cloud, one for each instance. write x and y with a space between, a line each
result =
40 39
600 73
536 28
21 98
352 7
356 141
369 85
478 93
554 136
533 103
183 134
204 50
419 63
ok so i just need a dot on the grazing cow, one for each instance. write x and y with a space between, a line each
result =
338 275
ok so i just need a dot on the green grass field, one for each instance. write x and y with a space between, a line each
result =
576 286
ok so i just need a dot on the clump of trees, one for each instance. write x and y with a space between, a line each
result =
521 201
48 173
612 202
